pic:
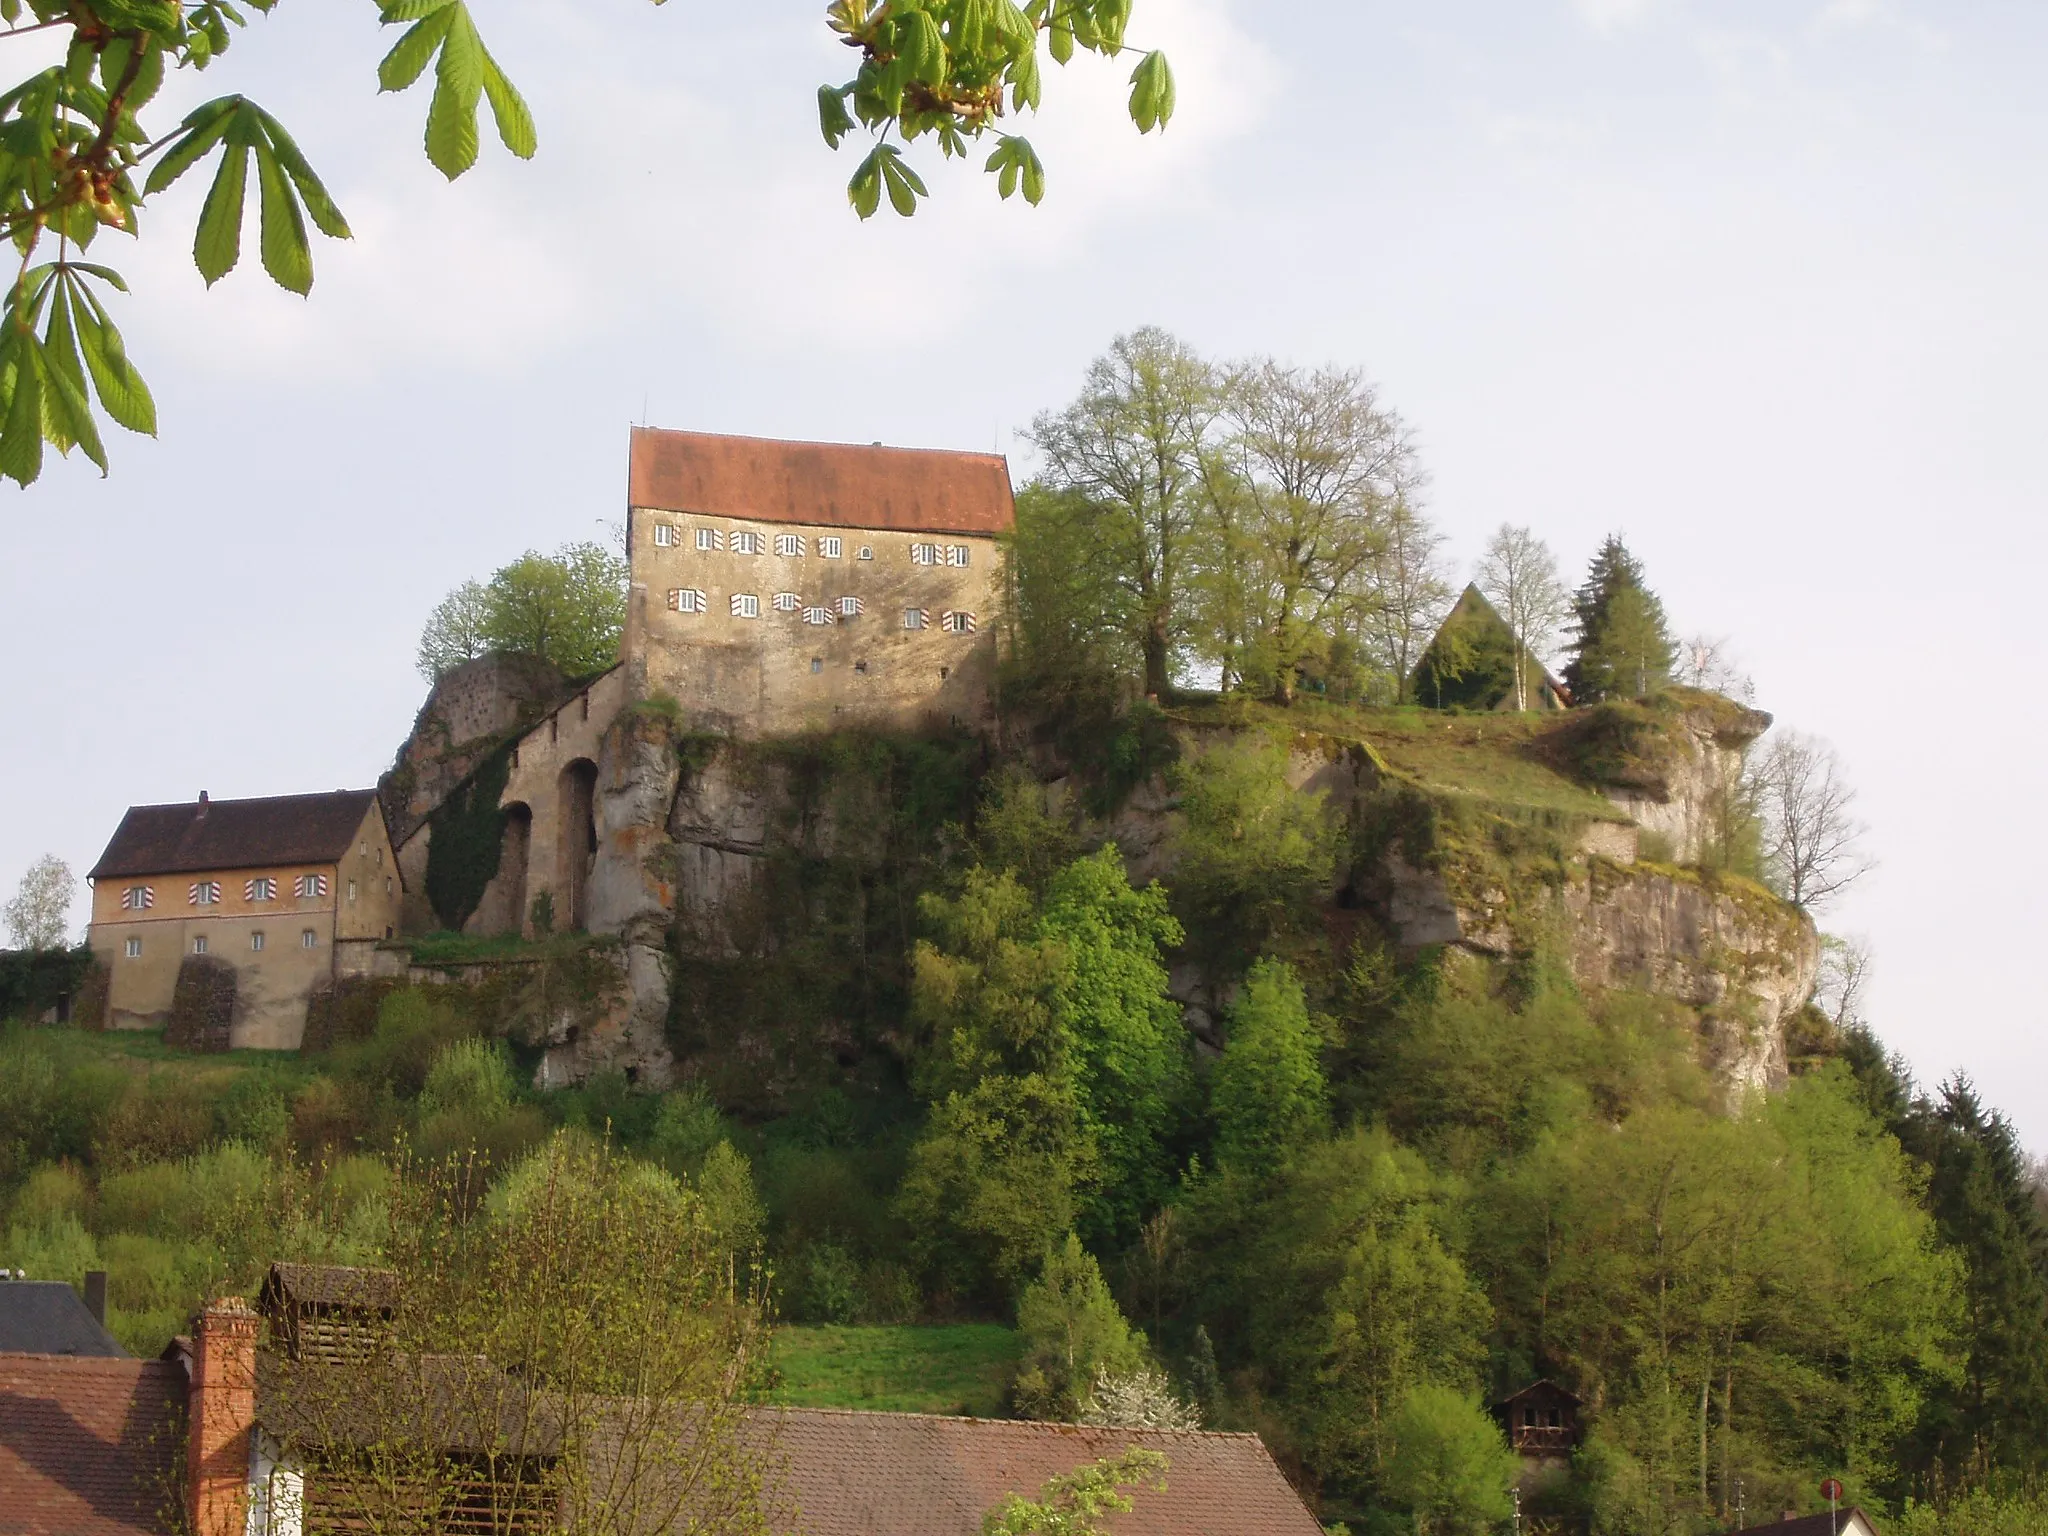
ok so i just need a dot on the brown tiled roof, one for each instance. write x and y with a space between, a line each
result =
909 1474
234 834
87 1447
833 485
333 1285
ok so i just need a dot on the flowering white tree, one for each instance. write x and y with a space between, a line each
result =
40 914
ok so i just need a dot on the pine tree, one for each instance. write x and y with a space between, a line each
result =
1622 647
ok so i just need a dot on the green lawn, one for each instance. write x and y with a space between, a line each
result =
961 1368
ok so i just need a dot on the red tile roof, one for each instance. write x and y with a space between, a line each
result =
909 1474
88 1447
197 835
832 485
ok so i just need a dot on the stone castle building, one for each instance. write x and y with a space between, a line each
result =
775 588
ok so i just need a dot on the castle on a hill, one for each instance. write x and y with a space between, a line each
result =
775 587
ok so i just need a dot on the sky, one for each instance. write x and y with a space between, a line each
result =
1756 284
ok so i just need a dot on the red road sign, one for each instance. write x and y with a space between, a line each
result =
1831 1490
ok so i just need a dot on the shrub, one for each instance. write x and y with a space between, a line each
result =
828 1285
1071 1332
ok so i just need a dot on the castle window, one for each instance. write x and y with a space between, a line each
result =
956 623
686 600
138 898
861 668
351 891
132 949
745 605
851 607
203 893
199 944
665 536
262 888
256 941
829 547
924 554
790 545
746 542
710 538
956 554
820 616
387 885
817 665
865 552
309 940
917 618
309 885
787 602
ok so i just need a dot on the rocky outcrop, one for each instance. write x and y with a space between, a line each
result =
631 894
1672 768
471 711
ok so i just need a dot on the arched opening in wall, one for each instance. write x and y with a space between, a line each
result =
575 841
513 853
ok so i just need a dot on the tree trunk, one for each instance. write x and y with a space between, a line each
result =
1156 682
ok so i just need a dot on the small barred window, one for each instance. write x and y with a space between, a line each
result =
309 940
198 943
133 949
956 554
917 618
745 605
851 607
309 885
820 616
138 898
924 554
746 542
829 547
262 888
787 602
204 893
666 536
865 552
686 600
957 623
710 538
790 545
255 941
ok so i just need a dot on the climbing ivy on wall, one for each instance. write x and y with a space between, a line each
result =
468 836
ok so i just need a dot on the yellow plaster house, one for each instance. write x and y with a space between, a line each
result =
289 891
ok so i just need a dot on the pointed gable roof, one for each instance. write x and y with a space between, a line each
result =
829 485
208 834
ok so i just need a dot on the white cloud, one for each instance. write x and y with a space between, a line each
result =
1607 16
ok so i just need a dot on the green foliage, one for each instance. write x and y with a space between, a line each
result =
951 68
1449 1467
1071 1504
1622 647
569 607
466 840
1470 664
1254 857
1070 1329
32 980
958 1368
1267 1095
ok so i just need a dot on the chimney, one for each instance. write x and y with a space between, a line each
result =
202 802
220 1415
96 1295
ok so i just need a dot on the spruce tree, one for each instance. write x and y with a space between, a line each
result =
1621 647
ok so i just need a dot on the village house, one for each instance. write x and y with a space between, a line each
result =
189 1442
262 900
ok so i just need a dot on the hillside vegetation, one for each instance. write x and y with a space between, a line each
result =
936 1085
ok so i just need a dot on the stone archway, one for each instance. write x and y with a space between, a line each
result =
575 841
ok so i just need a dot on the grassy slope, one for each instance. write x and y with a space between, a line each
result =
1498 758
961 1368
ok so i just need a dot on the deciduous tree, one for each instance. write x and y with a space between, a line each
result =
456 631
1518 575
40 912
1812 843
78 162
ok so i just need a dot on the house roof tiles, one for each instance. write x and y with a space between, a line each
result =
202 834
906 1474
829 485
86 1444
46 1317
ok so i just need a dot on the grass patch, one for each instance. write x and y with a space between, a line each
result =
957 1368
1505 759
448 948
